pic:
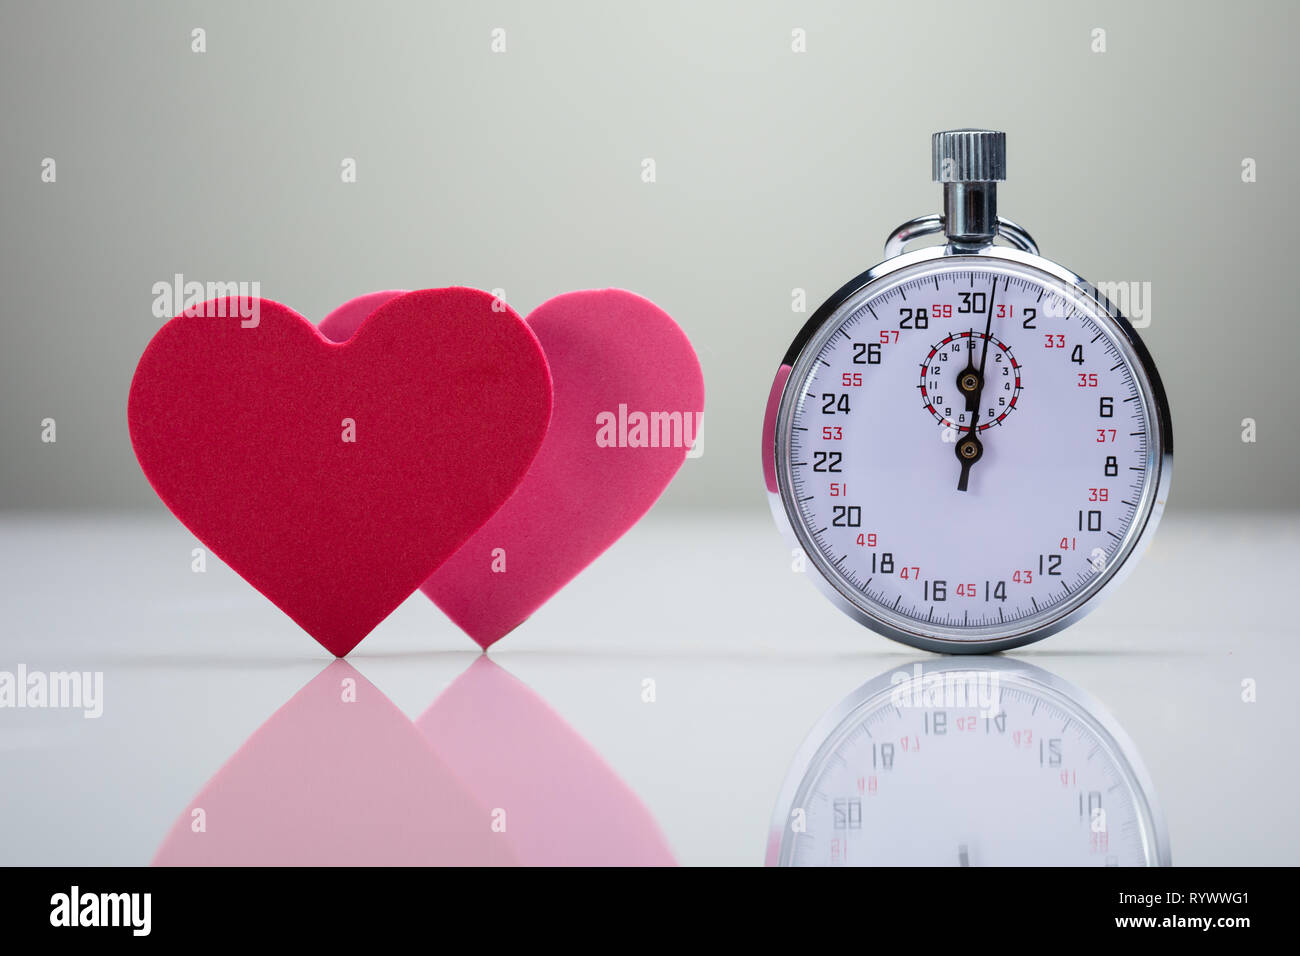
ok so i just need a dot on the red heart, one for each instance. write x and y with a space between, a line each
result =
241 431
606 348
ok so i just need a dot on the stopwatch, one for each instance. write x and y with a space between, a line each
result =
968 762
968 443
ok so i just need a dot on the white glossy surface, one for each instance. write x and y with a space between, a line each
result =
745 656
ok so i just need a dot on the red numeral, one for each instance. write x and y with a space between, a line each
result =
851 379
839 490
836 433
909 574
1055 342
1023 577
885 335
867 540
1088 381
1103 432
941 311
1099 494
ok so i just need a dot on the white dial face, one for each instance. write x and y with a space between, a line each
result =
1033 780
966 450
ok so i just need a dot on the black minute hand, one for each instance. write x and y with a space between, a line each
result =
970 449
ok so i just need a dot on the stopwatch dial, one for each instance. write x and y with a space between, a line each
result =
950 377
970 768
968 450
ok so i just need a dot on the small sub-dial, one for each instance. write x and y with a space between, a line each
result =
963 374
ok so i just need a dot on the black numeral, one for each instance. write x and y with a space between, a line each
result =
832 403
905 319
827 460
864 354
846 516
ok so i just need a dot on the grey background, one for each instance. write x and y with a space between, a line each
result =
521 170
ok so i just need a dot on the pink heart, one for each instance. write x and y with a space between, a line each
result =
613 355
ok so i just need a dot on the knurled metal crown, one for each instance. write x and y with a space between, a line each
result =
969 156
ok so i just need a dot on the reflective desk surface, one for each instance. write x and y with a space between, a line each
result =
650 713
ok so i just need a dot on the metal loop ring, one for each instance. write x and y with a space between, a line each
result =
929 225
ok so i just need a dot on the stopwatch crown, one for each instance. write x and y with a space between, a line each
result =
969 156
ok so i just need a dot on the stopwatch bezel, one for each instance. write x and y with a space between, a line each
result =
802 353
830 729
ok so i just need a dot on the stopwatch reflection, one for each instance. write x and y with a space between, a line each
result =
968 763
488 775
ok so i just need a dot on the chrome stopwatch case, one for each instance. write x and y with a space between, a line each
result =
969 443
968 762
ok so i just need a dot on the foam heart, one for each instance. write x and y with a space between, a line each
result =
338 776
336 477
613 356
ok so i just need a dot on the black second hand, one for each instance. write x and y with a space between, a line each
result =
970 449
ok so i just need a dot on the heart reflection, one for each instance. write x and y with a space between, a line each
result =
489 775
